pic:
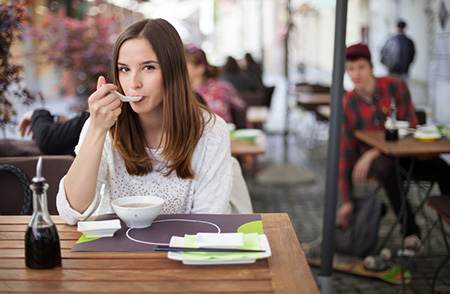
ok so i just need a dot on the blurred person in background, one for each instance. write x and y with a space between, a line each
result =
232 73
253 70
53 134
366 107
220 96
398 53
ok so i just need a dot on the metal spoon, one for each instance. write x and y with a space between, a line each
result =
124 98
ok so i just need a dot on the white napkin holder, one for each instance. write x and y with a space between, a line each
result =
96 229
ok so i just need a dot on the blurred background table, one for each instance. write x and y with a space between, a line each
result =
242 148
257 115
310 101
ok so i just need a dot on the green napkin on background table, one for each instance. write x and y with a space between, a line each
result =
251 241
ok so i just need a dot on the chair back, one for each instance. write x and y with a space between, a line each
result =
13 192
268 92
421 117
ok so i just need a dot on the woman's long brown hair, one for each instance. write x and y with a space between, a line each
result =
183 120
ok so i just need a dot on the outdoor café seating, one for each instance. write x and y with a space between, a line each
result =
18 159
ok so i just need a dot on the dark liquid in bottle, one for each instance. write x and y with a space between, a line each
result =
42 248
391 134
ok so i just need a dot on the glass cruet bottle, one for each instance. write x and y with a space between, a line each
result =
390 125
42 247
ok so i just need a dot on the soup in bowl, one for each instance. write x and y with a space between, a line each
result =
138 211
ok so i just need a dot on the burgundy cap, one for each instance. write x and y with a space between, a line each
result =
358 50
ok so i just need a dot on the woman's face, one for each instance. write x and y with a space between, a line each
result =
140 75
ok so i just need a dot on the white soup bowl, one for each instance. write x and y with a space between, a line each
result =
138 211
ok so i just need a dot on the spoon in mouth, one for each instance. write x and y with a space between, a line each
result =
124 98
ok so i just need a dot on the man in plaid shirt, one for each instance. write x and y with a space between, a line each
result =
366 108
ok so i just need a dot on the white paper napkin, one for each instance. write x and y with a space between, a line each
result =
220 240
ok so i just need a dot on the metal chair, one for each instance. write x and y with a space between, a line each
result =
12 204
15 177
441 204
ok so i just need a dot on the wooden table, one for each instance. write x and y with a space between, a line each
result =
324 111
407 147
286 271
310 101
242 148
257 115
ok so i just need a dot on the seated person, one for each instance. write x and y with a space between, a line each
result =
166 144
253 70
235 76
220 96
366 108
53 134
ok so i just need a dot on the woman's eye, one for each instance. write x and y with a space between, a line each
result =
123 69
149 67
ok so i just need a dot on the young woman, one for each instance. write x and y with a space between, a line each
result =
167 144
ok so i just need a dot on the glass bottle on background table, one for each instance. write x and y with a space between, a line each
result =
42 247
390 125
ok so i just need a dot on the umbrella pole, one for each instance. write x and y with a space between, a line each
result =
325 275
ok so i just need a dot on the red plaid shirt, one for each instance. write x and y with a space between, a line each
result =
360 115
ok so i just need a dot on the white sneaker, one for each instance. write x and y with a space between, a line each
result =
411 245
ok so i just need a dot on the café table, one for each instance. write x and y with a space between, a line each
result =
242 148
257 115
406 147
285 271
324 111
310 101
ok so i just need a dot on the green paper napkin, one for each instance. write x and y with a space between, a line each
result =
251 241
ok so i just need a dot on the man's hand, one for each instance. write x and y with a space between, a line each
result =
362 166
25 123
345 214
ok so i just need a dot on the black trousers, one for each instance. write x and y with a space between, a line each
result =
433 169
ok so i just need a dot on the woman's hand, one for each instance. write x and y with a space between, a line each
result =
362 166
345 214
104 107
81 180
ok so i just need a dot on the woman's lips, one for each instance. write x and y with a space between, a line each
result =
142 98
